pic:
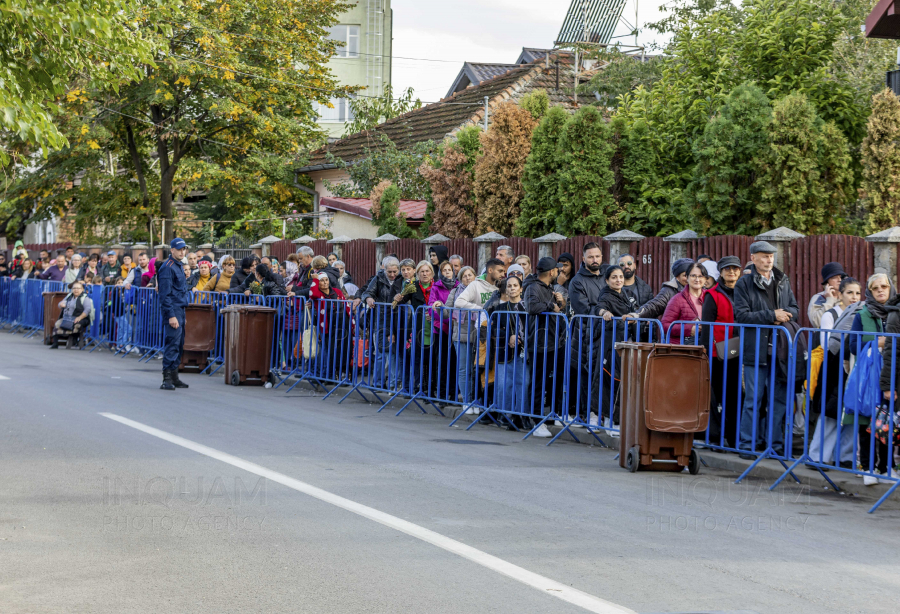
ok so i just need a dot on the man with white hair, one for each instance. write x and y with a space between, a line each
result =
456 261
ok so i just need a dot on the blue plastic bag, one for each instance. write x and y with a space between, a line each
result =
862 394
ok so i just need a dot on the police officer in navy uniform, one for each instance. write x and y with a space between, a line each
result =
173 297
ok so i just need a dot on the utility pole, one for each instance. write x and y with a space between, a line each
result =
486 112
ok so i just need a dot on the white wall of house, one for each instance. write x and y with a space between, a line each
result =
333 176
352 226
40 232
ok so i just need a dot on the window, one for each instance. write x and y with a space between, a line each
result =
347 39
340 113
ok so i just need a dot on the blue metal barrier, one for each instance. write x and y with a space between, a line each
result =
529 353
286 335
846 428
330 328
593 370
382 353
5 292
93 333
772 430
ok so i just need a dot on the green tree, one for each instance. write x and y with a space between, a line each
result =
536 102
368 111
226 109
540 180
383 160
387 216
498 172
880 187
620 75
783 46
46 46
586 176
805 171
724 191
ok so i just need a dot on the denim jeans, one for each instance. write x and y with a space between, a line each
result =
465 370
756 384
511 384
386 358
123 330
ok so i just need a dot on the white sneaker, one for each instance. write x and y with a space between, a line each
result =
543 431
134 350
472 411
593 419
870 480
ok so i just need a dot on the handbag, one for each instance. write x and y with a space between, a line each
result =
726 350
883 430
309 339
67 324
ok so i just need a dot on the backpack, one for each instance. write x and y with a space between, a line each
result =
844 322
862 394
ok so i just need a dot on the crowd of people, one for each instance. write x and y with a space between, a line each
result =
515 335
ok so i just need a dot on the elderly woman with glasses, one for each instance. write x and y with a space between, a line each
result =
76 313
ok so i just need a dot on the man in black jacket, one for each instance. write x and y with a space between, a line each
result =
586 285
636 290
385 322
545 346
763 298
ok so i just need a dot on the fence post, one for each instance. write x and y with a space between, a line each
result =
380 243
620 243
119 249
266 245
545 245
484 243
337 244
207 247
885 251
257 249
781 238
137 248
161 251
678 244
302 241
428 242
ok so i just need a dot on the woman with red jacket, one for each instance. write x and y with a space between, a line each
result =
331 320
718 306
686 306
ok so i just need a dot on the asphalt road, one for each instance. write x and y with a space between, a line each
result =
223 499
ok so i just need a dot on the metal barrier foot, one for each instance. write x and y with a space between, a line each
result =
590 429
336 386
359 392
412 400
487 413
564 429
789 471
762 456
885 495
535 427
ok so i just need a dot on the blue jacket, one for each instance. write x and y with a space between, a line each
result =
172 287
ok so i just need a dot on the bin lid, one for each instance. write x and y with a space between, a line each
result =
248 308
199 306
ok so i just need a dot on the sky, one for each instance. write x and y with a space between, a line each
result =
480 31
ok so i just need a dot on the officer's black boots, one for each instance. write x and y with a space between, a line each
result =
177 380
167 381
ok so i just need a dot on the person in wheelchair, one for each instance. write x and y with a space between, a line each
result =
75 316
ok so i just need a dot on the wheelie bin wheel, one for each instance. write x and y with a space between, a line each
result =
235 378
694 463
632 459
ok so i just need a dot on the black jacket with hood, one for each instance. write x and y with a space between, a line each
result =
585 289
442 255
543 330
751 307
638 294
656 307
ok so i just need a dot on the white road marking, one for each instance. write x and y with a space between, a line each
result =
545 585
3 377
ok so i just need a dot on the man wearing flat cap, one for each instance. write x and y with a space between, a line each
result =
763 298
832 276
655 307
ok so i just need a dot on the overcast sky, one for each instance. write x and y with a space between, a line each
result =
479 31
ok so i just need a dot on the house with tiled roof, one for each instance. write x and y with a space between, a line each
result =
475 73
441 120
